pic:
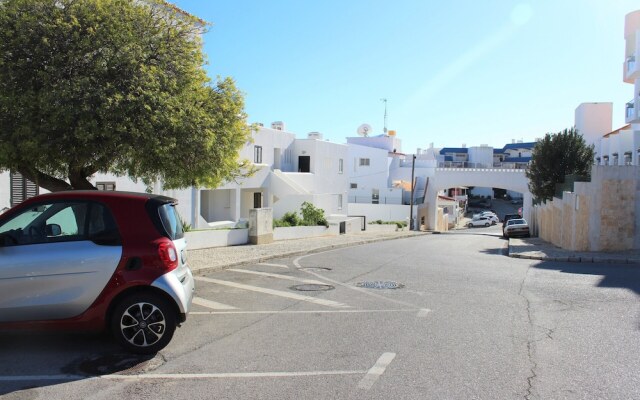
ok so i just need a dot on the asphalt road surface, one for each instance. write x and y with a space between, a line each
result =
467 322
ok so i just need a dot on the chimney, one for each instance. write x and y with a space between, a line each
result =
278 125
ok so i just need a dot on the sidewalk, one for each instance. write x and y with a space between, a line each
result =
216 258
538 249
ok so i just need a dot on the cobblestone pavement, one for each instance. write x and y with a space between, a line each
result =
216 258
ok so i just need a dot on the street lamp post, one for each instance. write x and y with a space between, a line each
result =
413 168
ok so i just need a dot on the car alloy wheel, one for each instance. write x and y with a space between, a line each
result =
143 323
486 224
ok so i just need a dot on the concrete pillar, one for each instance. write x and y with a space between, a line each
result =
195 206
527 199
260 225
237 204
431 198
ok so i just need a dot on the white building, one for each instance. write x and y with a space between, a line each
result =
594 120
289 172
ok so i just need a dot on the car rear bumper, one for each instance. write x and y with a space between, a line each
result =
180 288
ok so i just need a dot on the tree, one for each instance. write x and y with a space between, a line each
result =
113 86
554 157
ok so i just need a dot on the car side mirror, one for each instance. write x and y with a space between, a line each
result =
53 230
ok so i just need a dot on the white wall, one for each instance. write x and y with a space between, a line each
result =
593 120
5 190
481 155
270 139
216 238
373 176
388 143
383 212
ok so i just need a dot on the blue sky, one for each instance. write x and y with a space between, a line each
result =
473 72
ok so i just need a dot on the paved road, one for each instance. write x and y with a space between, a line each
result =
468 323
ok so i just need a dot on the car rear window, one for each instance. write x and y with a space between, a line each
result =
171 221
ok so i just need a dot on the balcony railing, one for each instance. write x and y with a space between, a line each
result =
630 111
470 165
631 63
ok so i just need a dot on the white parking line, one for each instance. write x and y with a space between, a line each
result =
371 376
275 265
212 304
299 312
423 313
22 378
278 276
376 371
322 302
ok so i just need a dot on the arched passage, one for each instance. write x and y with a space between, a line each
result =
444 178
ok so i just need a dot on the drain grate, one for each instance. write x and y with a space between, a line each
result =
311 287
380 285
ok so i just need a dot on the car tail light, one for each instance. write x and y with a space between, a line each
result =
168 254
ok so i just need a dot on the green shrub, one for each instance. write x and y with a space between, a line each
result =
312 216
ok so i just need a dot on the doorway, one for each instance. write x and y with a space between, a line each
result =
304 164
257 200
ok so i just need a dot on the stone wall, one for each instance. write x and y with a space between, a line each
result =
601 215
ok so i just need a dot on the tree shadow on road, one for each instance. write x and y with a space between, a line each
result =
33 360
626 276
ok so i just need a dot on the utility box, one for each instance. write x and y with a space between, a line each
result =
260 225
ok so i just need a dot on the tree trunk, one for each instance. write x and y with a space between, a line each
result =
45 181
78 179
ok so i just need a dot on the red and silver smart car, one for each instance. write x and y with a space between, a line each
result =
95 260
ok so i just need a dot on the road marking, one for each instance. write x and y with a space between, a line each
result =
212 304
275 265
423 313
323 302
299 312
277 276
376 371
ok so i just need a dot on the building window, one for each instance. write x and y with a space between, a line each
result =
615 158
605 160
597 160
21 188
339 202
106 186
365 162
627 158
257 154
340 166
354 186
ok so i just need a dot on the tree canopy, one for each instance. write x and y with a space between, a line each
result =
113 86
554 157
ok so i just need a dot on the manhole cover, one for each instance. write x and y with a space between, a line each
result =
311 287
118 363
316 268
380 285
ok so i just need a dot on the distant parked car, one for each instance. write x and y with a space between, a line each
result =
481 221
516 201
493 218
96 260
516 227
507 217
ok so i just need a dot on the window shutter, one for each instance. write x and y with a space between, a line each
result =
21 188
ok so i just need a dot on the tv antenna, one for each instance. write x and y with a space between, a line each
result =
364 129
384 100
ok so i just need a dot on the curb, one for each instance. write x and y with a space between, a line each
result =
575 259
299 252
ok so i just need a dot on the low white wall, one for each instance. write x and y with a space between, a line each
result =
300 232
384 212
382 228
216 238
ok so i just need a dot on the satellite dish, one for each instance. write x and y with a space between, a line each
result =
364 130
